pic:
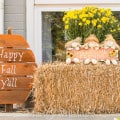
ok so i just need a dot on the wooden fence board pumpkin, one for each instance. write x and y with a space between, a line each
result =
17 66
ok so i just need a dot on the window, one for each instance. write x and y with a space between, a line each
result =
53 36
117 15
35 9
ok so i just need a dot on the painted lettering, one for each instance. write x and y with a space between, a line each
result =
9 70
9 82
3 84
21 55
1 54
11 55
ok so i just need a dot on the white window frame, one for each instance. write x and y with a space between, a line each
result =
77 2
34 17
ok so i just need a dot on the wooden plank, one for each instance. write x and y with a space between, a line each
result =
17 62
13 97
17 69
15 83
16 41
16 55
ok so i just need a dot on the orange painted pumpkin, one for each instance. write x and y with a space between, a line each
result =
17 66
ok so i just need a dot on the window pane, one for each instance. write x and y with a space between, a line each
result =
117 15
52 37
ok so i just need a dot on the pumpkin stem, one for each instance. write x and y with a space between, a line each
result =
10 30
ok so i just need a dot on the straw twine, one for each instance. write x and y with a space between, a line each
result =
77 88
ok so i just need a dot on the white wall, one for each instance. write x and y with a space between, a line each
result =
1 16
15 16
77 2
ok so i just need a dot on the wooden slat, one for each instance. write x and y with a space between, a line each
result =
17 69
16 41
16 55
12 97
15 83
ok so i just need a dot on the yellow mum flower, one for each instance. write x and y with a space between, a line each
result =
111 31
84 19
102 10
80 16
66 27
80 24
119 28
66 22
94 22
111 22
90 15
96 18
99 26
94 11
108 13
64 18
74 17
85 15
99 14
70 14
87 22
114 30
104 19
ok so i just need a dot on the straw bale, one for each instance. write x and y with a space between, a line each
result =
77 88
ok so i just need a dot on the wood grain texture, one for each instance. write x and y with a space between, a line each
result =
12 97
16 41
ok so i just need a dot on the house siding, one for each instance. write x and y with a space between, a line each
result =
15 16
1 16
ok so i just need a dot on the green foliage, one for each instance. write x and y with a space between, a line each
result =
57 30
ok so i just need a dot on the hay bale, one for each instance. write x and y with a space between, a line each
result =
77 88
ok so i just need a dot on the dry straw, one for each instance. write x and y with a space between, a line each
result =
77 88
